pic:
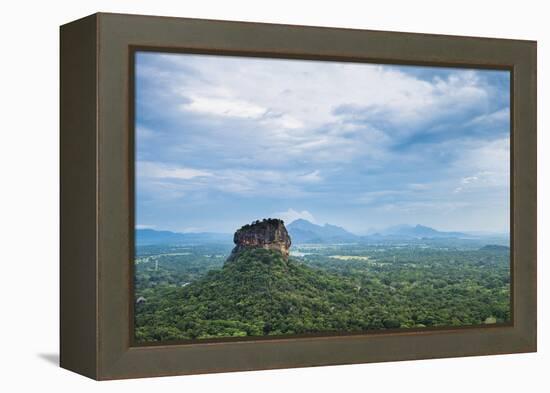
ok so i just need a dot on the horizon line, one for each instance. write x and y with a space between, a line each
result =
370 233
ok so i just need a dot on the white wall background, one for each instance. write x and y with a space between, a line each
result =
29 194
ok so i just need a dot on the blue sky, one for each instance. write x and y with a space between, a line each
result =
222 141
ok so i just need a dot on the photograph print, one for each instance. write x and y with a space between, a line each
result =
293 198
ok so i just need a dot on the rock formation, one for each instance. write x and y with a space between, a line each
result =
269 234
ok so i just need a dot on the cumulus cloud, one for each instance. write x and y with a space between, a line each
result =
314 110
319 135
224 106
175 181
160 170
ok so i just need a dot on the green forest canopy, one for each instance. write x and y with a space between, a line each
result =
260 293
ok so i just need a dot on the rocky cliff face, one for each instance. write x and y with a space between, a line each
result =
269 234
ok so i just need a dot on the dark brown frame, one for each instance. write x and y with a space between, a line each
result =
97 194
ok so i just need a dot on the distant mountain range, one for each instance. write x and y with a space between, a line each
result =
419 231
302 232
147 237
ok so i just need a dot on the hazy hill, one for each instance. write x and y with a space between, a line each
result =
303 231
148 237
419 231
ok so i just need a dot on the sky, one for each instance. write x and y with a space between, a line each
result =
222 141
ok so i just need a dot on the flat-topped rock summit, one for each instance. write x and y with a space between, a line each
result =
269 234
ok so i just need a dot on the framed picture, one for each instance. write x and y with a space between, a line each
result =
243 196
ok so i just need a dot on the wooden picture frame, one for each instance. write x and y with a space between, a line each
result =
97 194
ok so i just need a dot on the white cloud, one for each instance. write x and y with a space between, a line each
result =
149 169
311 177
293 215
144 133
232 106
159 190
477 181
419 186
298 108
497 117
310 91
174 182
491 156
440 206
486 162
221 106
390 196
302 129
257 182
376 197
145 226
